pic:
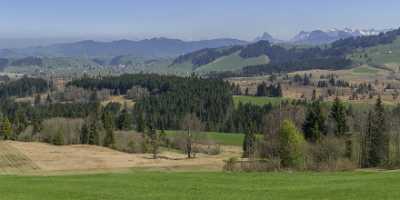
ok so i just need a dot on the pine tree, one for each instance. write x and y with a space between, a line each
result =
249 142
140 123
37 123
338 115
378 145
20 122
154 141
109 139
94 137
314 124
84 134
125 119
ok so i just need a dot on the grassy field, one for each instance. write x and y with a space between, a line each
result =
235 139
233 62
203 185
257 100
381 54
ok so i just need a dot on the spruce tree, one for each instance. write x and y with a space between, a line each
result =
338 115
378 145
94 137
140 123
84 134
125 119
109 139
37 123
249 142
314 124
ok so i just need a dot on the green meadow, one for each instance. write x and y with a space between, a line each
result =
203 185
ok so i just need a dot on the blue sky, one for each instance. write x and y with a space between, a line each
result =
189 19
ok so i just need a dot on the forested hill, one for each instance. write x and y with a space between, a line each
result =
246 60
170 98
148 48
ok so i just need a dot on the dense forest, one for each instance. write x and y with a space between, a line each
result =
24 87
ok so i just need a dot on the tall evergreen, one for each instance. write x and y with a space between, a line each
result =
84 134
94 136
314 125
125 119
109 139
140 123
37 123
378 144
249 142
338 115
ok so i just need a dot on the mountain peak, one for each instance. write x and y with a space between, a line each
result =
267 37
318 37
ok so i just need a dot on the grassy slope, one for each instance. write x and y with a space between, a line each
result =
235 139
204 185
232 62
382 54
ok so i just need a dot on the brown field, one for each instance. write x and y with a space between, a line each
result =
40 158
119 99
378 77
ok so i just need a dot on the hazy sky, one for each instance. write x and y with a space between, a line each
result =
189 19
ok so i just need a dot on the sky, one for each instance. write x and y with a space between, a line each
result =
189 19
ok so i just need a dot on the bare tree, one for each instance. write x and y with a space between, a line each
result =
192 125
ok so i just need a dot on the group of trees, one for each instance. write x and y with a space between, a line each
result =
325 135
269 90
170 98
23 87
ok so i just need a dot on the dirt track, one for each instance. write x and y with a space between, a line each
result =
42 157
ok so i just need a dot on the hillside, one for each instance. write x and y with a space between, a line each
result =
149 48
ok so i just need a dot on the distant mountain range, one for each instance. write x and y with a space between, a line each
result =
149 48
268 37
318 37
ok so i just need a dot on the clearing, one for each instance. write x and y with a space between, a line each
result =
37 158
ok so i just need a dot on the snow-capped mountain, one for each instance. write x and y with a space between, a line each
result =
268 37
327 36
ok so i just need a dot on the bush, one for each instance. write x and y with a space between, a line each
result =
328 155
291 144
265 165
70 129
130 142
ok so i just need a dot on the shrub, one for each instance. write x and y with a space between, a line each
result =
328 155
290 145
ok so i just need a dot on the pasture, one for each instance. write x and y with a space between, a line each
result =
204 185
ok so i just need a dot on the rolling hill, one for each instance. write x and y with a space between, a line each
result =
263 57
149 48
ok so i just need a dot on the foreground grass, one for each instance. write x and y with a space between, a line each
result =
203 185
